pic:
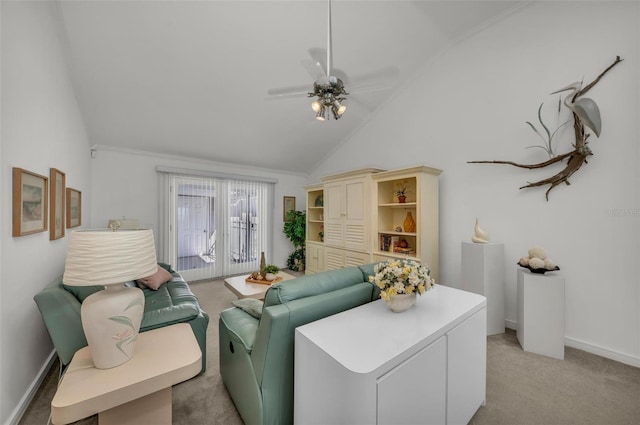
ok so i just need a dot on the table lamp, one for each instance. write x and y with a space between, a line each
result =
110 318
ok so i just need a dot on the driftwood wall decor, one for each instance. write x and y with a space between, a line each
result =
585 113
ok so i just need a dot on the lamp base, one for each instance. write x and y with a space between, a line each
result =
111 322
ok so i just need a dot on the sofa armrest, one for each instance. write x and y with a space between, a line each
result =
60 312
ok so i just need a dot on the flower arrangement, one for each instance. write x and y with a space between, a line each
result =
401 188
401 277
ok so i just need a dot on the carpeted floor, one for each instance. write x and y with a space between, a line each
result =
522 388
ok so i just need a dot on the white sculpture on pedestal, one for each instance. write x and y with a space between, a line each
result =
479 235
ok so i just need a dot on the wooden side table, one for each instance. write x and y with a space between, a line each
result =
137 392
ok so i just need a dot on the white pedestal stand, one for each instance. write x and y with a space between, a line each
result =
483 273
541 313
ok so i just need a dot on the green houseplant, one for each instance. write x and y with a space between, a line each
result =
270 271
295 230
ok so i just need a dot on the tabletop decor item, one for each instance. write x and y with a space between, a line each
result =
537 261
270 272
409 223
401 191
585 113
479 235
111 317
399 282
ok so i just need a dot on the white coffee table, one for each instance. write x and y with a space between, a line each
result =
137 392
243 289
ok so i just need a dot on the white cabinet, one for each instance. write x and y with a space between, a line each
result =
367 365
415 392
347 213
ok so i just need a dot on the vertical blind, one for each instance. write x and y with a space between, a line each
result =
213 225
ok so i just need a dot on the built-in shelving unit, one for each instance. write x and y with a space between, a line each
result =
314 261
389 233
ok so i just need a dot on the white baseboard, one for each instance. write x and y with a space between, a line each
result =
590 348
26 399
601 351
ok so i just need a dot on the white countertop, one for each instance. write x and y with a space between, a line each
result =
364 338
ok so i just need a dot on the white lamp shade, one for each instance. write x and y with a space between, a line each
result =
105 257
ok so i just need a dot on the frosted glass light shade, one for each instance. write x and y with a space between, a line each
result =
105 257
111 318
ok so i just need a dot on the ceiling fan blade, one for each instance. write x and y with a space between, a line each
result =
290 91
319 55
314 68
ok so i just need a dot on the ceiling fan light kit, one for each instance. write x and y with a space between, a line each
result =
329 91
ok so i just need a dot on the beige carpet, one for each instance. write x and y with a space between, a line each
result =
522 388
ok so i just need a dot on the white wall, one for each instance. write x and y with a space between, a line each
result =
472 103
41 128
127 185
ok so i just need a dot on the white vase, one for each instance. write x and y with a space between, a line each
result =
270 276
401 302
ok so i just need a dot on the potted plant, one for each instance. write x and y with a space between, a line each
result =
270 271
295 230
401 190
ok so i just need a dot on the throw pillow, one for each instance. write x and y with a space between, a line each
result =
250 305
155 280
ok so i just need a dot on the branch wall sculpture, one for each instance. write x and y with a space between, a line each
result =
581 152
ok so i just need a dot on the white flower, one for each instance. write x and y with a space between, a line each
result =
536 263
537 252
524 261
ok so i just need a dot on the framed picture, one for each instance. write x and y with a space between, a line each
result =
288 204
30 192
56 215
74 208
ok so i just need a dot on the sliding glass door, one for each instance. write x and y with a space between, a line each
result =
214 227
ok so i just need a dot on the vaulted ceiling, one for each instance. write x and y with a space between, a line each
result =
190 78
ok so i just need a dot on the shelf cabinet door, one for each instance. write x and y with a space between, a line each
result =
315 258
333 214
346 212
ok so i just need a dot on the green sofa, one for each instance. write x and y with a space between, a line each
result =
172 303
257 354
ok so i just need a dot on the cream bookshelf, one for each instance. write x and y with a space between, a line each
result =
389 233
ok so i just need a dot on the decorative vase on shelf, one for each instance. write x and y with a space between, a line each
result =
409 223
402 199
401 302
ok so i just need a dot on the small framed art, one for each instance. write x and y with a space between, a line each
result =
288 204
30 191
56 219
74 208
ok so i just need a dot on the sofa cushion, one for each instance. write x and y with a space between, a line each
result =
309 285
250 305
154 281
171 303
82 292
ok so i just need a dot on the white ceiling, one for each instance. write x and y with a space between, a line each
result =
190 78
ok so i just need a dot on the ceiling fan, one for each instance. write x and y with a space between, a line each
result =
329 88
